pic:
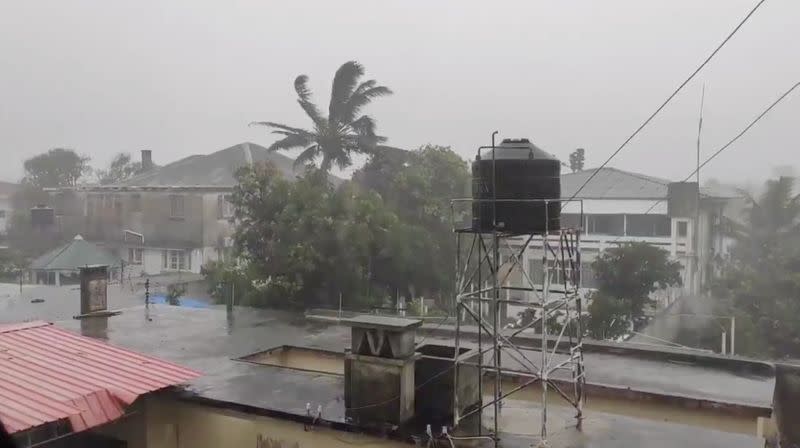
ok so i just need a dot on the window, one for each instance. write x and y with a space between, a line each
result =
2 214
136 202
571 220
648 225
683 229
176 209
134 256
176 260
606 224
224 206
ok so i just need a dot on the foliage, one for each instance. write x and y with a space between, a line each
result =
120 169
174 293
11 263
343 132
57 167
418 186
610 316
760 283
576 159
308 241
632 271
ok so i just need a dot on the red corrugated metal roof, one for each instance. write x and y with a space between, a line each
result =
48 374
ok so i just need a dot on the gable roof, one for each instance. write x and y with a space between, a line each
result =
73 255
48 375
215 169
613 183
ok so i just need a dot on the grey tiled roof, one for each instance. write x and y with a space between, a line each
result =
215 169
74 254
613 183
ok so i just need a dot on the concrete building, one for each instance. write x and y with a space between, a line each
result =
173 218
261 387
621 206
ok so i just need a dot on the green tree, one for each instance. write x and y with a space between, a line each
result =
760 283
57 167
418 186
343 132
306 242
120 169
626 275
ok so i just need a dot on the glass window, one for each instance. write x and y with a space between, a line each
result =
683 229
134 256
136 202
176 206
571 220
2 213
224 206
606 224
176 260
648 225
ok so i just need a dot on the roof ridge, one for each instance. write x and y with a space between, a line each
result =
8 328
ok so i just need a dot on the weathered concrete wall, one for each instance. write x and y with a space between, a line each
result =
172 424
786 404
379 391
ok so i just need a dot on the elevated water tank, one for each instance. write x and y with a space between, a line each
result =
523 172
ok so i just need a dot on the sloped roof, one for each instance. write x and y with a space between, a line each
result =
48 374
74 254
215 169
613 183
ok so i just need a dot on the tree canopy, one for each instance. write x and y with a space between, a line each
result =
626 276
576 159
343 132
120 169
760 282
57 167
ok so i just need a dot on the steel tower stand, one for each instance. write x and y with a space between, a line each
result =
553 299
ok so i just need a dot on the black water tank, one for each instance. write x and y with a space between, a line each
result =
523 172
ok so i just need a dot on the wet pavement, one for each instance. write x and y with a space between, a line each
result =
209 340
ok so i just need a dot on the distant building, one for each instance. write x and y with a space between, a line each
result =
169 219
622 206
60 265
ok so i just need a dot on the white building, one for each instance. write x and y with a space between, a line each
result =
621 206
7 190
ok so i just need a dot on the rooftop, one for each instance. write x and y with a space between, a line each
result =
73 255
210 340
613 183
48 374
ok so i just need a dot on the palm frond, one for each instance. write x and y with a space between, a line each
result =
359 100
290 142
307 156
344 82
364 125
304 99
279 126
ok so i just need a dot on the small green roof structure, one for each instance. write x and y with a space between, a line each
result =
73 255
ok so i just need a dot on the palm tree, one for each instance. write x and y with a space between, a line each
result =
340 134
770 220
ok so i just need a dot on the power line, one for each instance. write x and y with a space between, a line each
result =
669 99
731 142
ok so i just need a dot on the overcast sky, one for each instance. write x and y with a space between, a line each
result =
183 78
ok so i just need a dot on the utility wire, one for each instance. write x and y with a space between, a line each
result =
669 99
727 145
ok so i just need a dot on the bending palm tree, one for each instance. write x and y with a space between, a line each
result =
343 132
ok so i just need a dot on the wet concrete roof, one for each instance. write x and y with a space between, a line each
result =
209 340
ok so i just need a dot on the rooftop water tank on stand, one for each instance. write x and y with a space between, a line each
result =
516 169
